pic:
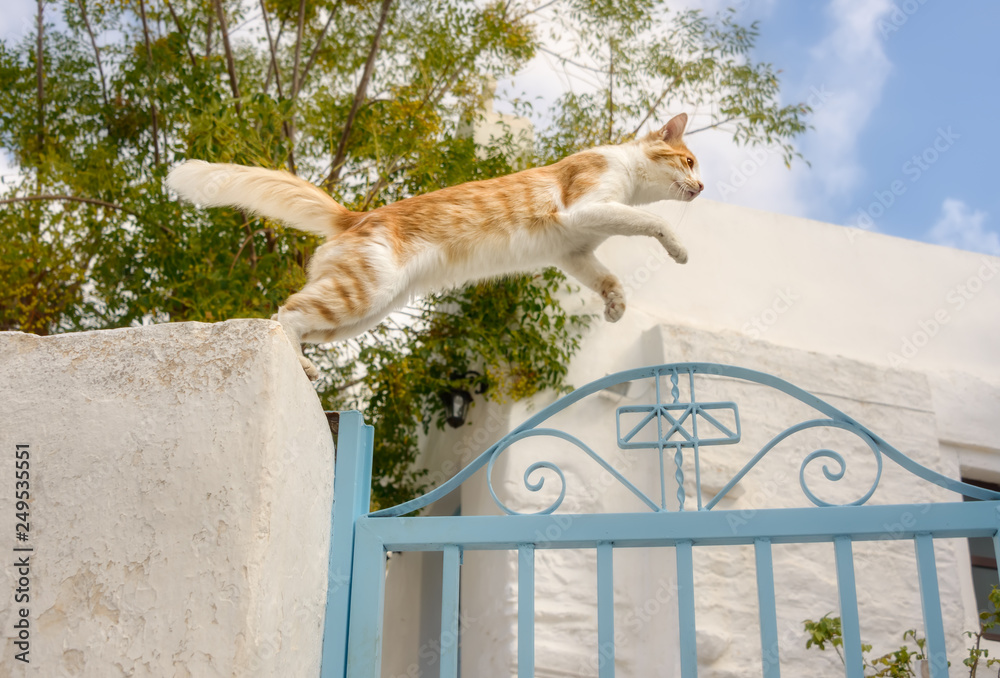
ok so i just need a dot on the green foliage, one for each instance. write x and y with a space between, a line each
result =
988 619
368 99
900 663
826 630
896 664
647 62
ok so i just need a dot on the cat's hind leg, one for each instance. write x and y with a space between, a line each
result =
352 286
295 324
586 268
338 306
319 312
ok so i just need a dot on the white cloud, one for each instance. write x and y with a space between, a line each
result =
964 228
18 19
846 73
843 80
751 177
851 64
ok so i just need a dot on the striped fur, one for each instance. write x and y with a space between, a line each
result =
373 262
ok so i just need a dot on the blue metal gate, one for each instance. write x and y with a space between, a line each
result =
676 429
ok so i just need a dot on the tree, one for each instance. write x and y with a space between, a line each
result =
367 98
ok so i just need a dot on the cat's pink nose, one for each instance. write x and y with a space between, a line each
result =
701 187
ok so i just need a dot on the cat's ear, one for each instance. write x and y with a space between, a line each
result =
674 130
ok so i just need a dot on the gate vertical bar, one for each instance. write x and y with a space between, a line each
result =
526 611
685 609
850 623
768 614
364 642
450 587
352 483
930 600
605 610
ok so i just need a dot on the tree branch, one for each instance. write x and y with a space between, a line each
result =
230 64
656 104
298 47
611 89
182 31
383 181
713 125
348 384
40 73
248 239
316 48
71 198
271 67
542 6
300 28
359 95
97 52
89 201
208 35
152 101
567 60
272 47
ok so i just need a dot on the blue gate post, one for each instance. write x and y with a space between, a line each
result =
352 483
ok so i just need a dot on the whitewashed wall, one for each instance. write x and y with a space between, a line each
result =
900 335
180 480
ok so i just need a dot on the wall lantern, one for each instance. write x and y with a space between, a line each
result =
457 400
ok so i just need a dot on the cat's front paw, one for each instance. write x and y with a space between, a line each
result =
614 307
309 368
680 255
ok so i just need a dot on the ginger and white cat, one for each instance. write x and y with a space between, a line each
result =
374 262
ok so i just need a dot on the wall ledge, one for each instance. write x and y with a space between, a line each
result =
180 479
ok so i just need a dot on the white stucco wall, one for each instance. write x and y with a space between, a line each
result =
181 480
903 336
818 287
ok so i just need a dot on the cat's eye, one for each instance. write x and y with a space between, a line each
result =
690 162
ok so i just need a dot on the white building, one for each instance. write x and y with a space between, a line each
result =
900 335
181 473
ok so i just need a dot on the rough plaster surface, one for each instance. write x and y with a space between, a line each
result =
181 481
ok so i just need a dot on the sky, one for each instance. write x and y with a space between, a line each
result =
906 96
906 99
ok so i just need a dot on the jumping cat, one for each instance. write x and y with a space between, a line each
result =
373 262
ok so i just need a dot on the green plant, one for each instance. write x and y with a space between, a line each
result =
900 663
896 664
988 620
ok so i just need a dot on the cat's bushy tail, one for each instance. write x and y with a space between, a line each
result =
270 193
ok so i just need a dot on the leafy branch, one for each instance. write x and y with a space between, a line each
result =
900 663
376 98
